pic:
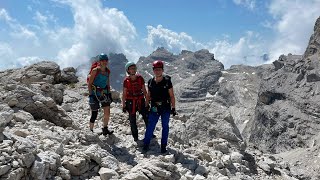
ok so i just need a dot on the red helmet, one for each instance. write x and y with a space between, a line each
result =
157 64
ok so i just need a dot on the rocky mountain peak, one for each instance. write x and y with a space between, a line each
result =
314 42
163 54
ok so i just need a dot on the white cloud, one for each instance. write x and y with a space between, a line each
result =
40 18
174 42
247 50
26 61
5 16
96 29
250 4
294 22
18 31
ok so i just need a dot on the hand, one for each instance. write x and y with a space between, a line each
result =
124 109
147 107
174 112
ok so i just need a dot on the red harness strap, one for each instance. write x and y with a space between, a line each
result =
135 93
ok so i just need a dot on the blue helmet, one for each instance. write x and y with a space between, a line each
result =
102 57
129 64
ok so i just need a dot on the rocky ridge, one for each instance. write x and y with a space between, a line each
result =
35 146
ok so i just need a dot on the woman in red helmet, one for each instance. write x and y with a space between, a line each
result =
160 93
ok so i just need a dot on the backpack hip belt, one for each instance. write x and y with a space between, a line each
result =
158 106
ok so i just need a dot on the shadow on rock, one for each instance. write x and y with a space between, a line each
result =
122 154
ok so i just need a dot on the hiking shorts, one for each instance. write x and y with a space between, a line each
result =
95 104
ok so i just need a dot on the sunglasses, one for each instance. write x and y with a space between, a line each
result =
132 68
157 69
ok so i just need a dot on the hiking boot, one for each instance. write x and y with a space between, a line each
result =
91 130
106 131
145 148
163 148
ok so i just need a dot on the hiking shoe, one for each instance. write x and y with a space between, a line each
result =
145 148
164 149
106 131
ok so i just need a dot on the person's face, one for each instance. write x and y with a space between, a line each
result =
132 70
104 62
157 71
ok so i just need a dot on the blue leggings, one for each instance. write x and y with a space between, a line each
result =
153 119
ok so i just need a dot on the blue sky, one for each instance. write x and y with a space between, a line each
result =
71 31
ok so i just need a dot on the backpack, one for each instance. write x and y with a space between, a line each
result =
95 65
165 87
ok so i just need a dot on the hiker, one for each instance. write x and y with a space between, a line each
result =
99 92
160 92
134 97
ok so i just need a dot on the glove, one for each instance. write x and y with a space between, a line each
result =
110 97
124 109
148 107
174 112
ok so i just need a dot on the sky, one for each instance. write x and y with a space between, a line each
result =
69 32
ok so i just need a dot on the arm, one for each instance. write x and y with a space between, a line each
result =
91 79
124 95
146 95
172 98
108 85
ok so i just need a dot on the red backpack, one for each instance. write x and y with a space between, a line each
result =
95 65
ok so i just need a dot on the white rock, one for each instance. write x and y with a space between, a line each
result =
223 178
226 159
67 107
22 116
15 164
64 173
110 162
106 174
21 132
16 174
27 159
4 169
169 158
236 157
199 177
76 166
12 102
46 161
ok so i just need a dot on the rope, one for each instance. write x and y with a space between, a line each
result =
105 99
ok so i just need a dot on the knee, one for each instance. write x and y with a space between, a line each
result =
94 115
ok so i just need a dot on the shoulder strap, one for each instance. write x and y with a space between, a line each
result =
167 79
150 83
